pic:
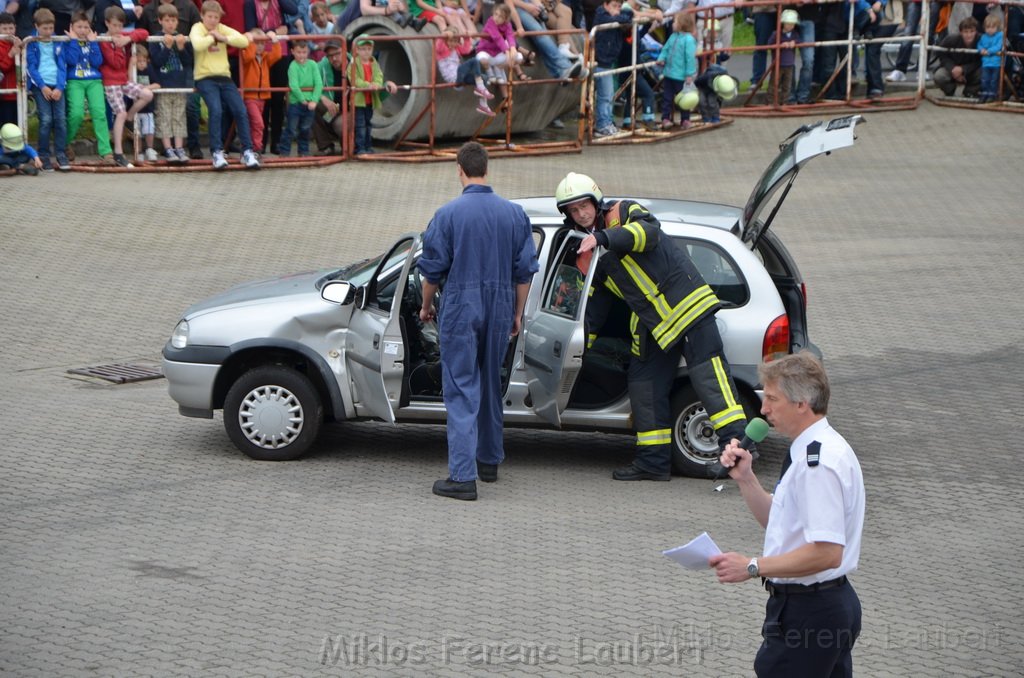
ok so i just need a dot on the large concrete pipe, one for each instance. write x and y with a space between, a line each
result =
408 62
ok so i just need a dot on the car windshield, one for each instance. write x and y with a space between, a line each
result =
358 273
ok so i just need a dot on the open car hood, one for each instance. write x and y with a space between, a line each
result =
809 141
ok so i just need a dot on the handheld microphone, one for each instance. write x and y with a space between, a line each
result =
756 431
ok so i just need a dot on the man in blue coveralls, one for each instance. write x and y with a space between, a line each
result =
483 246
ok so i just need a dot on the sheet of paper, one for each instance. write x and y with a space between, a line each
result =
694 555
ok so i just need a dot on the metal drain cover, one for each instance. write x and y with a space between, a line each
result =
120 373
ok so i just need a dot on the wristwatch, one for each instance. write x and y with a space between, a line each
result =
752 568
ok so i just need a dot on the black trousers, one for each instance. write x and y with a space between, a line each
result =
809 634
650 391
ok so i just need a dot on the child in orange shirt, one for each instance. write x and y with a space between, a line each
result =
257 59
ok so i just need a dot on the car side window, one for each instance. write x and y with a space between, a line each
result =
565 287
718 270
385 280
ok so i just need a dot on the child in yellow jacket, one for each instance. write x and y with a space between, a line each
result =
210 41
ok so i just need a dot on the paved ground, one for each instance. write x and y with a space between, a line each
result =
138 542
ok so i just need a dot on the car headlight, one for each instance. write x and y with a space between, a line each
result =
179 338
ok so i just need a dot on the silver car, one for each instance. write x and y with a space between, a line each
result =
282 357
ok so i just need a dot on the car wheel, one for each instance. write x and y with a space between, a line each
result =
273 413
694 441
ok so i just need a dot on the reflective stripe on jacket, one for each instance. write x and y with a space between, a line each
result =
662 287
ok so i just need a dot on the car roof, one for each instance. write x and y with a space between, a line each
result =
724 217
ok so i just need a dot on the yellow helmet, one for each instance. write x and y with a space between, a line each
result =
11 137
687 100
576 187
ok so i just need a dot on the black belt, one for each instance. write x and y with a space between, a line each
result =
787 589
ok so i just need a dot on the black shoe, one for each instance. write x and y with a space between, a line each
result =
487 472
195 153
28 170
449 488
631 472
418 24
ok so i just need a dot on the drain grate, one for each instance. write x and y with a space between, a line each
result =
120 373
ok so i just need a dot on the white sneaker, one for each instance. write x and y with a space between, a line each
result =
896 76
219 161
151 155
574 70
250 160
606 131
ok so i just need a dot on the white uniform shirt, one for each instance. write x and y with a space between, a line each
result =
818 503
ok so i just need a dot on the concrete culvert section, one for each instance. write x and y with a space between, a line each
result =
409 62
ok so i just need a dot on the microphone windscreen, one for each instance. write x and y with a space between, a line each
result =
757 429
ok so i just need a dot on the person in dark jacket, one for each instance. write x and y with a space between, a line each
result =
173 63
960 68
63 11
673 317
188 15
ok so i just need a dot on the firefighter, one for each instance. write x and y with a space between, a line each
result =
673 316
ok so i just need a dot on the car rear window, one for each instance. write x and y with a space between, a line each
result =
717 269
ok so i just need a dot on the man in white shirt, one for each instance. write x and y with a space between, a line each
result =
813 526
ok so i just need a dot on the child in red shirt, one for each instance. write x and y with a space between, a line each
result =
116 86
9 47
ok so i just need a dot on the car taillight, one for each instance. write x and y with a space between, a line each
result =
776 339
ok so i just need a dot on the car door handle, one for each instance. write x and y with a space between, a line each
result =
376 341
557 350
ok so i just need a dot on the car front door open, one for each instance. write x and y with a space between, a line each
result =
555 336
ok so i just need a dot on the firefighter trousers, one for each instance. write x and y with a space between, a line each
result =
650 393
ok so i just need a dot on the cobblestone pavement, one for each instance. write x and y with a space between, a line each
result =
138 542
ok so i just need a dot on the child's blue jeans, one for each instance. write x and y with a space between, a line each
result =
604 89
989 81
219 93
52 119
364 129
299 127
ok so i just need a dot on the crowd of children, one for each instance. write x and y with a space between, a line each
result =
114 75
66 78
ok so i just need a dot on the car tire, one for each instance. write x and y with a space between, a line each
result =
694 441
273 413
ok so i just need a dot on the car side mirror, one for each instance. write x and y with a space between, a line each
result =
338 292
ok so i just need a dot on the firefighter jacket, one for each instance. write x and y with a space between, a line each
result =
652 274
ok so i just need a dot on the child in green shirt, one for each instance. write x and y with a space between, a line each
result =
305 85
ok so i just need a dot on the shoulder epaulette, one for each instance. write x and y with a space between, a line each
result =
813 453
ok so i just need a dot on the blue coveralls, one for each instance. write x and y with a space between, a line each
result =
484 244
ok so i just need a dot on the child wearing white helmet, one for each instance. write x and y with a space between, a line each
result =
15 154
715 86
787 38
